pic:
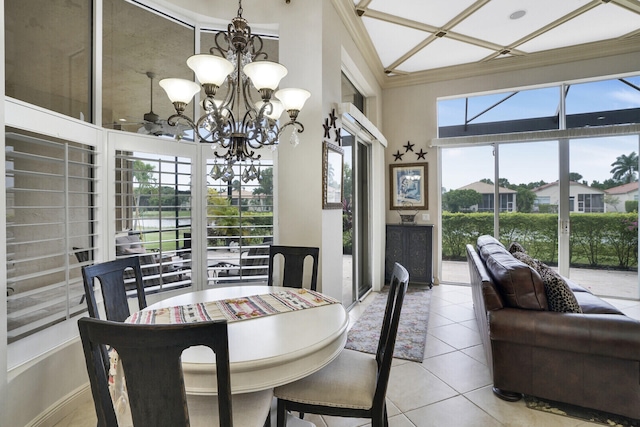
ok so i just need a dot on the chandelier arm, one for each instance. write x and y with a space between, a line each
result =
297 126
175 119
218 47
257 52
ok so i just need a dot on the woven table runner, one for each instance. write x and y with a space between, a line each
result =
234 309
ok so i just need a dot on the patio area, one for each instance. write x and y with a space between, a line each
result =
606 283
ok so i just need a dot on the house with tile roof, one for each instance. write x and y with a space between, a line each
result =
507 197
582 198
619 195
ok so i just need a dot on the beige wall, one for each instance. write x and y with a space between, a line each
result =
410 114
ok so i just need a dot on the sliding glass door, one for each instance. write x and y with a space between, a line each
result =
573 204
355 217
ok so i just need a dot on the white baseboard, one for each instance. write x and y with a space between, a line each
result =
63 407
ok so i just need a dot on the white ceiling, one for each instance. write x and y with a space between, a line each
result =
409 38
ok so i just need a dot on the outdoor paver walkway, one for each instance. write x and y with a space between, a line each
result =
607 283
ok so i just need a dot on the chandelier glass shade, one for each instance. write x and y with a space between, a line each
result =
235 123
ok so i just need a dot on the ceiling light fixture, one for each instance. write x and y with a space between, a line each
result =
236 124
518 14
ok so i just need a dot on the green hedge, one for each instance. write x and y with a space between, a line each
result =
597 240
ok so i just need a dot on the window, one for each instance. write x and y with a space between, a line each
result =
352 95
517 111
136 41
591 202
487 203
239 225
51 39
153 218
50 229
599 103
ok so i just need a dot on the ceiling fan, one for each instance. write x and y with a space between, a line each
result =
153 125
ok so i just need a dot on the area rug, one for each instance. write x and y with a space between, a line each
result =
580 413
412 330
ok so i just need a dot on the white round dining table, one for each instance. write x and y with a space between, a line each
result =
267 351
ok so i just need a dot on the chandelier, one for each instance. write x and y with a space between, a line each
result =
235 124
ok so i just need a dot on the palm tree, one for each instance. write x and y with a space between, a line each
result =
625 167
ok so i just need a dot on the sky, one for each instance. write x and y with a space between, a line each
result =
531 162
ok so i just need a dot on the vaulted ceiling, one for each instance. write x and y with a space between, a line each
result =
406 41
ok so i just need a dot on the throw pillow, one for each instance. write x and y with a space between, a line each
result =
559 296
516 247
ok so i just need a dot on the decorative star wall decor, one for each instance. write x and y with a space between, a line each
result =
408 147
330 124
327 129
421 155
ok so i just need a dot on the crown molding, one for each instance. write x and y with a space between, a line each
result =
347 12
515 63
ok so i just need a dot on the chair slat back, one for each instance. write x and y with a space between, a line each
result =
294 258
112 285
389 332
150 357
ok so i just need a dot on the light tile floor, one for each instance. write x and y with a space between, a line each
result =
451 387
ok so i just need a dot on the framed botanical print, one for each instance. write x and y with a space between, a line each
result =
332 176
409 186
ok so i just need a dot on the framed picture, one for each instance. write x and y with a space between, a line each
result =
331 176
409 186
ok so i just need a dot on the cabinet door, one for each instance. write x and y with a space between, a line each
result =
418 254
394 250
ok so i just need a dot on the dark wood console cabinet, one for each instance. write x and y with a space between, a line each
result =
411 246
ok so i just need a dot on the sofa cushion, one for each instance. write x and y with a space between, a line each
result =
486 240
591 304
520 286
560 298
575 287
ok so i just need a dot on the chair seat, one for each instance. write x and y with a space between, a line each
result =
335 385
249 409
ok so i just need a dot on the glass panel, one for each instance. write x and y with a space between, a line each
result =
463 198
153 219
50 229
351 94
239 226
604 221
529 174
137 41
348 232
518 111
362 219
602 103
48 55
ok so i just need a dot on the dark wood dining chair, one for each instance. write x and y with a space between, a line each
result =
293 270
151 361
112 285
354 385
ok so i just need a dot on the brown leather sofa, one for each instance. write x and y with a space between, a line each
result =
590 359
